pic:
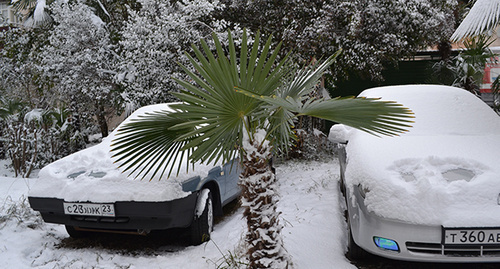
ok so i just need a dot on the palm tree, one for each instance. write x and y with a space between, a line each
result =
9 108
245 103
35 13
483 17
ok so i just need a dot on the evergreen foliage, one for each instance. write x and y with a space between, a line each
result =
371 33
153 42
466 70
81 61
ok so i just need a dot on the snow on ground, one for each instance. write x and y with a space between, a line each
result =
314 229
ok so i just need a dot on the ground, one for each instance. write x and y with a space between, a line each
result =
314 231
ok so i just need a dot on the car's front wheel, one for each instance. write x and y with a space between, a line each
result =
203 221
355 252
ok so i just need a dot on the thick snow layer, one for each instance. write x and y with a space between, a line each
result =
203 198
314 230
39 10
33 115
91 175
443 172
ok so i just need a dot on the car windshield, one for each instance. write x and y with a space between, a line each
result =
442 112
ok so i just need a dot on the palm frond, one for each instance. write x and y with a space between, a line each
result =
148 146
482 17
282 104
370 115
212 96
24 5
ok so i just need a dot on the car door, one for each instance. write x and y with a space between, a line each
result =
217 174
230 174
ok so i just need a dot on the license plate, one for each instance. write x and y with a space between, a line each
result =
471 236
89 209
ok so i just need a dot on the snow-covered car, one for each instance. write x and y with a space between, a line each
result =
87 192
431 194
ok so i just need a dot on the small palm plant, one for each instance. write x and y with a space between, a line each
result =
34 11
471 61
244 105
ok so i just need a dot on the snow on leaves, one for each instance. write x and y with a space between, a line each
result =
154 41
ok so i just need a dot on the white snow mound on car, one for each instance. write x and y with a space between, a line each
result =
90 175
444 171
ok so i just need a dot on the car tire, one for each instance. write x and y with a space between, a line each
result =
203 223
74 233
354 252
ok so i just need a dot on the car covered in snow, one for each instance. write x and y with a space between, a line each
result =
87 192
431 194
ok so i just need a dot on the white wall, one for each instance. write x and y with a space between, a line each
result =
7 14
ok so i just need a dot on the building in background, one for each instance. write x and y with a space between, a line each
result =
8 15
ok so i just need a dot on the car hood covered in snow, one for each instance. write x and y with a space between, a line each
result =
443 172
428 180
91 175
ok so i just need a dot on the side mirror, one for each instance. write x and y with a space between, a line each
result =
339 134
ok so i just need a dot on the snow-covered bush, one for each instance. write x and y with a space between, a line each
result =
22 140
371 33
19 212
312 145
61 136
34 139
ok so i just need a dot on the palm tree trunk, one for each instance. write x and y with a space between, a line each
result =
259 199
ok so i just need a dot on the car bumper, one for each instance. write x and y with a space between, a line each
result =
133 216
415 242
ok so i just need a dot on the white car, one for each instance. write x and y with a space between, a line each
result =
431 194
88 193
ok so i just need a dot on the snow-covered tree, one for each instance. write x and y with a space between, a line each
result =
32 134
284 20
154 41
371 33
19 77
81 61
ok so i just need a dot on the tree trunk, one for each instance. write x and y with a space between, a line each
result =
259 199
101 119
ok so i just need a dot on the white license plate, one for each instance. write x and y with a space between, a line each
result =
471 236
89 209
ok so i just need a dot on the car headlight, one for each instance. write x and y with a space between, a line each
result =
387 244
